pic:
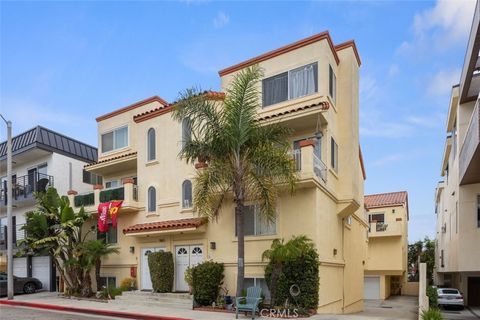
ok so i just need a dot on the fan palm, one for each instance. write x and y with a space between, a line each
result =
281 252
95 250
244 157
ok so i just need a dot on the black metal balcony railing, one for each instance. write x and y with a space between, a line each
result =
24 187
18 235
112 194
86 199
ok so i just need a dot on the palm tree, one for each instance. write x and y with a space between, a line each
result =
96 250
243 157
281 252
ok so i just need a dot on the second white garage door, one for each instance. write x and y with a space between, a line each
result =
20 267
371 287
41 270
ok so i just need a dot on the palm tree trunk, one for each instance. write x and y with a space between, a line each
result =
239 213
98 265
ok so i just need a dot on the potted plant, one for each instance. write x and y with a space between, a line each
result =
189 279
228 300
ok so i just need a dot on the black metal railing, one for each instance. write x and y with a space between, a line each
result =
87 199
112 194
23 187
18 234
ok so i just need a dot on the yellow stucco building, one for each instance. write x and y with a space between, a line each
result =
386 268
310 86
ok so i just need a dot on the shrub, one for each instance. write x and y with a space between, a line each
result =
189 276
207 280
110 293
303 272
128 284
432 314
432 294
161 271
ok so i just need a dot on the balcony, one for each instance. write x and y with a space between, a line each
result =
380 229
17 236
308 164
469 161
24 188
128 193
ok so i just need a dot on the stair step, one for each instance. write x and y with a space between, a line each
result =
156 300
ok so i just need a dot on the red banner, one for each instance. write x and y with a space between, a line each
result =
105 210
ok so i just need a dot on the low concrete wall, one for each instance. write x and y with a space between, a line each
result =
410 289
422 292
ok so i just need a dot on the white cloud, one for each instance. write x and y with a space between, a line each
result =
393 70
445 25
441 83
432 121
389 159
221 20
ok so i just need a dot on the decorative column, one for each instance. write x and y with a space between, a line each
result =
128 189
71 197
307 147
96 192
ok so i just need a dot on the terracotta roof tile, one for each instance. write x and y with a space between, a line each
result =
165 225
124 155
386 199
213 95
132 107
324 105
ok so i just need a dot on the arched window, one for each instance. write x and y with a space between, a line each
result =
151 144
187 194
186 131
152 199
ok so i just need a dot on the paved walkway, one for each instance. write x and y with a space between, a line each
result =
401 308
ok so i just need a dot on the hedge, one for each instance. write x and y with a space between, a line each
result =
304 272
207 279
161 271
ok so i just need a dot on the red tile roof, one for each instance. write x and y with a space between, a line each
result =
131 107
124 155
212 95
166 225
386 199
324 105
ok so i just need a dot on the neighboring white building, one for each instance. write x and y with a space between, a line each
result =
457 197
41 158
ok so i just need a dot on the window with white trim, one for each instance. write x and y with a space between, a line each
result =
255 224
111 184
115 139
110 236
187 194
257 282
108 282
334 155
289 85
332 84
186 132
151 144
152 199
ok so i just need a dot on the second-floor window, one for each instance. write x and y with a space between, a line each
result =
151 144
91 178
255 224
152 199
186 194
112 184
292 84
110 236
115 139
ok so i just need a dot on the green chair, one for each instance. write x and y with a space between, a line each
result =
250 302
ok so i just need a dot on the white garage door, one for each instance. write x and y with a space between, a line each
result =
20 267
41 270
371 288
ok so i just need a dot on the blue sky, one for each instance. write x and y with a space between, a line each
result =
64 63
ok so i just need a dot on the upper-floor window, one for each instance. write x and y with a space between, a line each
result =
334 154
91 178
112 184
376 218
332 84
186 194
151 144
255 224
292 84
186 132
152 199
115 139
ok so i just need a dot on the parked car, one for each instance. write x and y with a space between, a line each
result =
450 297
20 284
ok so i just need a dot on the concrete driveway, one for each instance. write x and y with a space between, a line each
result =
455 314
396 307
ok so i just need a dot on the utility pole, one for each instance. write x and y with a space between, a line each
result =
10 228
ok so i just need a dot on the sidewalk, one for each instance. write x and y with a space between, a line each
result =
159 312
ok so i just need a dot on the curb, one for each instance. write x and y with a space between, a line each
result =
108 313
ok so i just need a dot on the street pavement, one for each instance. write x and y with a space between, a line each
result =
21 313
455 314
